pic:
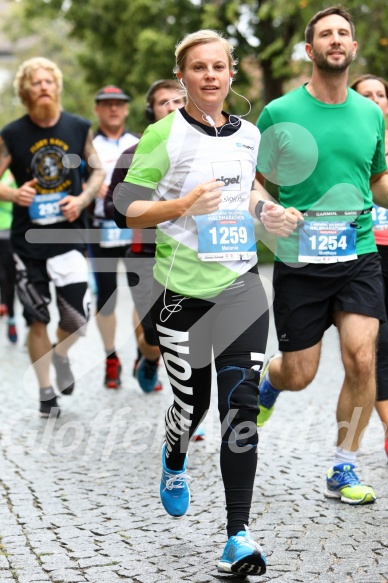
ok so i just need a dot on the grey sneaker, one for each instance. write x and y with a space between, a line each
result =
65 378
48 403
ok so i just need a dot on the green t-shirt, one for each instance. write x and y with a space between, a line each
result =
322 157
6 207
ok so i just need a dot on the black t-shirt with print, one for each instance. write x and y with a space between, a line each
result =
54 156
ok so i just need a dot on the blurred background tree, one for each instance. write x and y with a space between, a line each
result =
132 44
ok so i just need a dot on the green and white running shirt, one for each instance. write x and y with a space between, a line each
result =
322 157
172 158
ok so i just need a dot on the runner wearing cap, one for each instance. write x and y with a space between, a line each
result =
111 139
111 92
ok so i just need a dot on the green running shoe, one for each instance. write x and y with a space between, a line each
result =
267 395
264 414
342 482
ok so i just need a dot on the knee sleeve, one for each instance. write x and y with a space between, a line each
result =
149 331
238 405
74 308
35 304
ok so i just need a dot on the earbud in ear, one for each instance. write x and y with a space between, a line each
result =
230 82
181 82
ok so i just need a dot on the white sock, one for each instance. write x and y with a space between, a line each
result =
344 456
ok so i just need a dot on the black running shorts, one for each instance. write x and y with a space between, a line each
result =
306 297
69 274
140 276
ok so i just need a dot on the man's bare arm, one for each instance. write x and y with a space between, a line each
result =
379 188
97 173
260 178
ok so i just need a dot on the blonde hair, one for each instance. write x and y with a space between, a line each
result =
369 77
202 37
25 73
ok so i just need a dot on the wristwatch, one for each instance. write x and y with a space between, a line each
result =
259 209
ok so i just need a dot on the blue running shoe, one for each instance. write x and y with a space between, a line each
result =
174 491
342 482
242 555
147 374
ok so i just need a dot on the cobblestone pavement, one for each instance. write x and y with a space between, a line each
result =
79 495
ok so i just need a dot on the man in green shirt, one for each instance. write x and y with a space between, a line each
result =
324 146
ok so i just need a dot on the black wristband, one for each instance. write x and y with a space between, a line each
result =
259 209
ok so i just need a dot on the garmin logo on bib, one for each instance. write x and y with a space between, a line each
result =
327 242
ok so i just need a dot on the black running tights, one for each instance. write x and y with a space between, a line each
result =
230 330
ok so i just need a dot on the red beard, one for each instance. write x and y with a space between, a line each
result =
43 111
